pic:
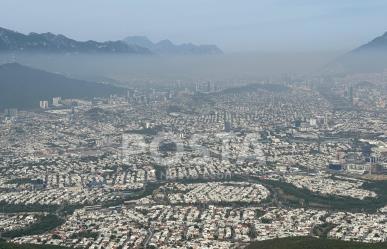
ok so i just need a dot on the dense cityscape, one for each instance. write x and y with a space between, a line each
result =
194 124
199 165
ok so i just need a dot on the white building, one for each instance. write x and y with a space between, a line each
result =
56 101
43 104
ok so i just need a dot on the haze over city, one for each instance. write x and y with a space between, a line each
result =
193 124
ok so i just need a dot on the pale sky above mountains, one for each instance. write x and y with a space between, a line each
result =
235 26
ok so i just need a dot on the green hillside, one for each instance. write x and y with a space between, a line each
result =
23 87
4 245
312 243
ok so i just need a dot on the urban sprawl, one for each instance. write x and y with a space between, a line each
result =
203 165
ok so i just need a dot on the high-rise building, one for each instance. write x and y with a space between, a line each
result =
227 126
326 119
130 94
351 94
43 104
227 118
313 122
56 101
11 112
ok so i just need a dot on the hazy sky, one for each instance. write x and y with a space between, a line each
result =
234 25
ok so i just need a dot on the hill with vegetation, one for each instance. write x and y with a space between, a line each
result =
312 243
6 245
24 87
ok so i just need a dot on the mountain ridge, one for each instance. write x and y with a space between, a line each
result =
370 57
48 42
168 47
379 42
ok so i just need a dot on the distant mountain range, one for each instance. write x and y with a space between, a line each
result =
51 43
167 47
371 57
24 87
12 41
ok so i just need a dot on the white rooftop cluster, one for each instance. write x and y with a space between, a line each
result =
358 227
216 192
10 222
177 226
73 196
